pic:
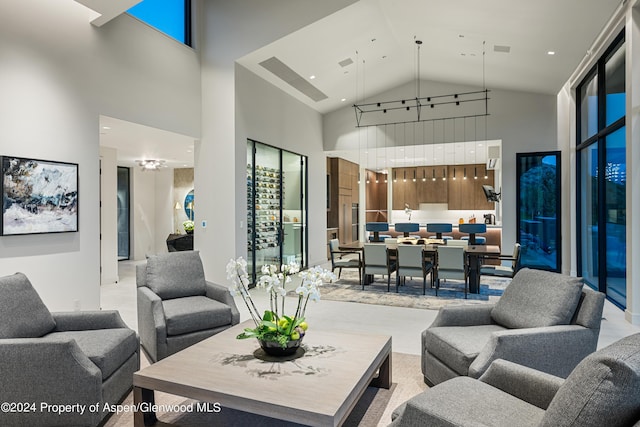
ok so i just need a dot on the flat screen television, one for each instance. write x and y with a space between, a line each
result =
490 193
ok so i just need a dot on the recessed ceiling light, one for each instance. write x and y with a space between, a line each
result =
106 127
551 52
312 77
189 151
343 99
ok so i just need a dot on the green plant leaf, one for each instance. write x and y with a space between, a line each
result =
269 324
268 315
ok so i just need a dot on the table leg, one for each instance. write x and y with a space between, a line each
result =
384 374
143 400
474 283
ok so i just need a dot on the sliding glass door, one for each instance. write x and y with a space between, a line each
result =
276 207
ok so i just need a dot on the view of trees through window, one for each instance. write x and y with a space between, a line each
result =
538 189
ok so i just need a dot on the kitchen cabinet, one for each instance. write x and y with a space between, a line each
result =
430 190
343 198
466 193
405 190
376 197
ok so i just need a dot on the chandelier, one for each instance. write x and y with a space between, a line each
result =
420 108
151 165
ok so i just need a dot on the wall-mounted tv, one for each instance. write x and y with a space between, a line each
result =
490 193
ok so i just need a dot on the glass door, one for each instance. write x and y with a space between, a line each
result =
293 212
276 207
538 209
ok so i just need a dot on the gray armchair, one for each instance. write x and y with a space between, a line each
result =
601 391
177 307
71 358
546 321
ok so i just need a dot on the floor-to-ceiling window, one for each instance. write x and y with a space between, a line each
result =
601 175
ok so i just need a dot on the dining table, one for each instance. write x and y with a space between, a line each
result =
474 254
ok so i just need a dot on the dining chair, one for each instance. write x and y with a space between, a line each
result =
339 261
411 262
376 228
451 264
376 261
502 270
439 228
472 230
407 227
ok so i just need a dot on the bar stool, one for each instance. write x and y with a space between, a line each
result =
439 228
376 228
407 227
472 229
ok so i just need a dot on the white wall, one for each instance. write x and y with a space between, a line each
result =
163 208
58 73
232 30
525 122
108 215
260 105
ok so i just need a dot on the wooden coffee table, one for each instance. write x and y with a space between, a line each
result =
319 387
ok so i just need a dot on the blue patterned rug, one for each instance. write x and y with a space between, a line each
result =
410 295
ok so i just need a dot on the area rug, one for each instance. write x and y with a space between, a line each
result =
347 288
373 409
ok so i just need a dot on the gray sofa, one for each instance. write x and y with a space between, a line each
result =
177 307
75 358
603 390
544 320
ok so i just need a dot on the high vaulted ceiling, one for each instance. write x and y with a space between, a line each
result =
378 36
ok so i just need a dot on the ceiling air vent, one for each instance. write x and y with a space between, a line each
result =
284 72
345 62
501 49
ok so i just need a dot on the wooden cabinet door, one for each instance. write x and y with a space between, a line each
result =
344 223
404 188
454 187
481 202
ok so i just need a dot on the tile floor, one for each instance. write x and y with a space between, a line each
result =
403 324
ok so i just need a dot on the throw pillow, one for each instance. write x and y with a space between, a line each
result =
537 298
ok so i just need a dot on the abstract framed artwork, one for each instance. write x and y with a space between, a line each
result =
38 196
